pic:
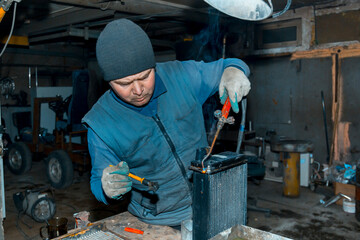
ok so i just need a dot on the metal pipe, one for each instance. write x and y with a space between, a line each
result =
130 6
335 199
2 182
325 126
224 46
29 77
36 77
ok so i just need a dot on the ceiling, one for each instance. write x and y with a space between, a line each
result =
79 22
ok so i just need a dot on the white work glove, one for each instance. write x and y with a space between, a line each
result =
235 85
115 180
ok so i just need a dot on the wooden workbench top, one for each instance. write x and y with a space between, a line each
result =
117 223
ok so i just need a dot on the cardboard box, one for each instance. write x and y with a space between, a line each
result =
347 189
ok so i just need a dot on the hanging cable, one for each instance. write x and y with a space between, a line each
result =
11 31
242 124
288 4
106 7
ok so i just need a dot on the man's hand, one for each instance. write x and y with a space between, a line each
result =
115 181
235 85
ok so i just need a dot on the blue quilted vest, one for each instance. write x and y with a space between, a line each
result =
157 148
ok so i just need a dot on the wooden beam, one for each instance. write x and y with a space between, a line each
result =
16 40
334 105
336 53
352 50
317 53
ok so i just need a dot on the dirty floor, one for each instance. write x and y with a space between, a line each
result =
296 218
300 218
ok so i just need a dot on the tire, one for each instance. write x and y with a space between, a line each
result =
59 169
19 158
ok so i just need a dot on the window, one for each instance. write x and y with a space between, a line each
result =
278 34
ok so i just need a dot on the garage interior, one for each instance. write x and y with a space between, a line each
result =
304 78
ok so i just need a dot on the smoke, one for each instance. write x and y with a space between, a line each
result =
209 39
209 43
205 45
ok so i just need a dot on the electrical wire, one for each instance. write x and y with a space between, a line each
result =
106 7
11 31
27 206
211 148
23 213
22 220
242 124
27 237
284 10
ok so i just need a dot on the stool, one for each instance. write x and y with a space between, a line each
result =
290 156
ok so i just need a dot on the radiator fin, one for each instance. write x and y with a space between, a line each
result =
220 201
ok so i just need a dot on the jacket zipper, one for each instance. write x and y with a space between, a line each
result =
173 149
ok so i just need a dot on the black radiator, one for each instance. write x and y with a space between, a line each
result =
219 194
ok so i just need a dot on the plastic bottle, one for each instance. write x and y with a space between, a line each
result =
357 197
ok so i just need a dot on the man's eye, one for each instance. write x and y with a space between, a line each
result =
147 76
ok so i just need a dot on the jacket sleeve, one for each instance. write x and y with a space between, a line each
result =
101 157
205 77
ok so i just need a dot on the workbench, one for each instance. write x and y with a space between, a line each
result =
115 226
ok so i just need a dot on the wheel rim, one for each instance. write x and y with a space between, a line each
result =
55 171
15 159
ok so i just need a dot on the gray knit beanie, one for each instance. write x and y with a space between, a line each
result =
123 49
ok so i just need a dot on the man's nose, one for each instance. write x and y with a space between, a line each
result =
137 88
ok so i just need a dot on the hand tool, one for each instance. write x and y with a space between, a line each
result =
133 230
223 118
153 186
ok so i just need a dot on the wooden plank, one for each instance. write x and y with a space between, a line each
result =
334 105
352 50
16 40
317 53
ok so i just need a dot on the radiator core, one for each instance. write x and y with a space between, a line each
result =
219 195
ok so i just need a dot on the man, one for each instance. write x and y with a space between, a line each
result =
150 122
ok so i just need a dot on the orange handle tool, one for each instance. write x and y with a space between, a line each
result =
133 230
153 186
136 177
226 108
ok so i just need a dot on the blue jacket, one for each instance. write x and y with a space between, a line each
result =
159 148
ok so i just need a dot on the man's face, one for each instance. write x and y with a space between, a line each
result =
135 89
